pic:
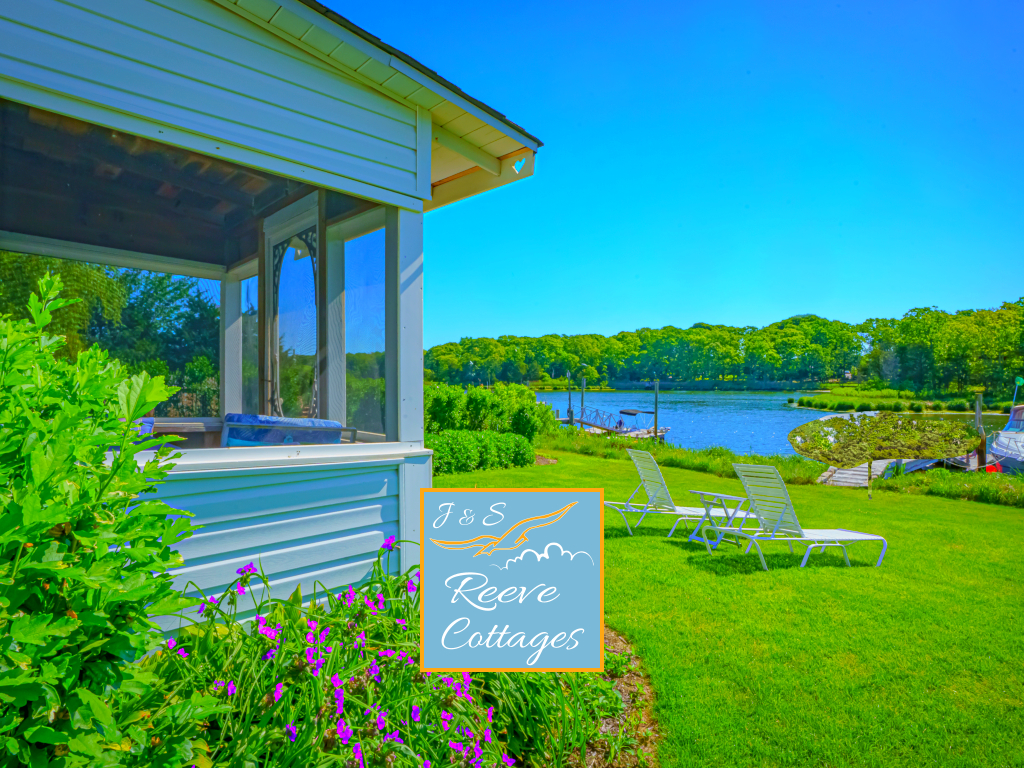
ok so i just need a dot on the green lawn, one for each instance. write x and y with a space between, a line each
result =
919 662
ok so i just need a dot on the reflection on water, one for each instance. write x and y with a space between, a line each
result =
745 422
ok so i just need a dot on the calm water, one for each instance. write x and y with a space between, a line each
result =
745 422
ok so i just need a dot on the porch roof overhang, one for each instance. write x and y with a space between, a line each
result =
475 147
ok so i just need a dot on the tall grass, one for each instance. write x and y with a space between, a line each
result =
990 487
716 460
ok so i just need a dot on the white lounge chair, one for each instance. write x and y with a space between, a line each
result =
659 501
772 509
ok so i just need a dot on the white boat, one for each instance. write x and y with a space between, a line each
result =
1007 446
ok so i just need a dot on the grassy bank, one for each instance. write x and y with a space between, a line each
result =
716 461
911 664
992 488
856 398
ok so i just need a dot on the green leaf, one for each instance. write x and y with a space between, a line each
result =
99 708
37 629
171 604
43 734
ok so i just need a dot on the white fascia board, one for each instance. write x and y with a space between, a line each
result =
281 458
112 257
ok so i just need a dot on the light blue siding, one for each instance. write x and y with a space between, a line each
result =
317 526
196 66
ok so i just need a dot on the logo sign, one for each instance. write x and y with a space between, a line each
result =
512 579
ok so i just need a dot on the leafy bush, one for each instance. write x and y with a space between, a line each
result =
864 407
917 407
1007 407
506 408
459 450
959 406
844 406
83 562
338 683
790 400
937 405
803 401
897 407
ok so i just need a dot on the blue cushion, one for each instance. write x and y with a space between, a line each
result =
243 429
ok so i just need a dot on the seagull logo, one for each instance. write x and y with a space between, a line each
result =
488 545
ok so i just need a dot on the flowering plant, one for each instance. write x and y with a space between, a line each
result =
335 680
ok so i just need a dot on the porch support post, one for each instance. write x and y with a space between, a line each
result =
335 303
403 349
230 345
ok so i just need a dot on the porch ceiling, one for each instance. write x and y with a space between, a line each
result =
78 182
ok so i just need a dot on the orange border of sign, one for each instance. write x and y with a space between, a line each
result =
423 498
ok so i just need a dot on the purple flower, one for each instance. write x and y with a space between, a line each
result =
426 764
487 735
181 652
171 642
360 640
358 752
240 589
508 760
217 684
291 730
389 544
336 681
209 602
339 697
380 721
490 714
323 635
380 602
231 688
311 624
278 692
415 713
344 733
445 717
245 570
411 589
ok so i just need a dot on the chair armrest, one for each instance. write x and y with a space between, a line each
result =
720 495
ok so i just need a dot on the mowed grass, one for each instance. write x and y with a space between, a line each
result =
919 662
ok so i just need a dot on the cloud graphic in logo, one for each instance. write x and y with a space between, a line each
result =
545 555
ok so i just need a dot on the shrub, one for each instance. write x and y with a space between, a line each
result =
444 407
1007 408
844 406
506 408
959 406
292 687
936 405
467 450
897 407
861 407
917 407
83 562
790 400
802 401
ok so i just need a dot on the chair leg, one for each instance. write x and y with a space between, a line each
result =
626 522
759 554
885 544
749 545
807 554
845 556
790 547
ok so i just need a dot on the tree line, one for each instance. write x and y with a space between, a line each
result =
925 350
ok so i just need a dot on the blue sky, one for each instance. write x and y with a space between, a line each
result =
727 162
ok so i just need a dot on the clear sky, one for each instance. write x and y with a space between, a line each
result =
727 162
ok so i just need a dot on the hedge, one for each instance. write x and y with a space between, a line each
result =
463 450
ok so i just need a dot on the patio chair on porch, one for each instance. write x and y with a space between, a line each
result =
241 430
659 501
772 509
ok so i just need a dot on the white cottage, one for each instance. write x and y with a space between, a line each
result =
278 148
